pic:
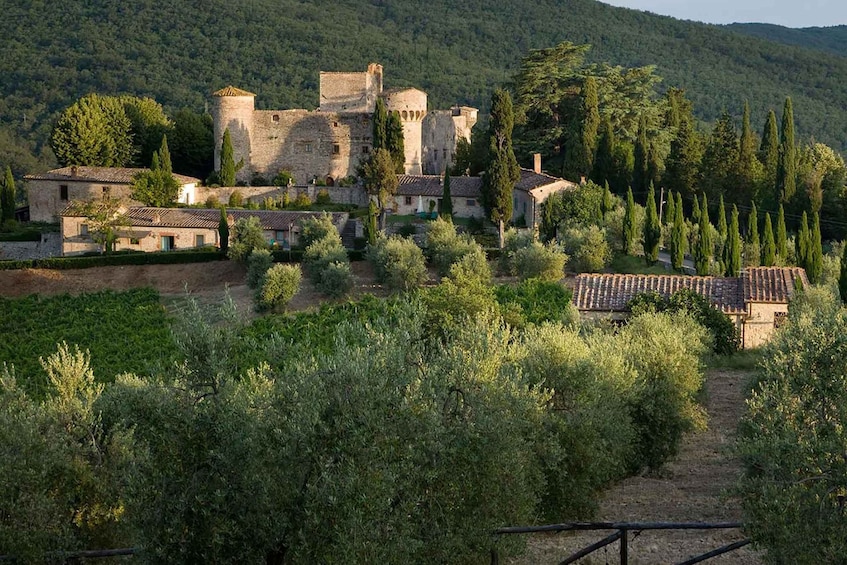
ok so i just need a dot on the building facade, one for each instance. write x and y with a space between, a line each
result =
329 143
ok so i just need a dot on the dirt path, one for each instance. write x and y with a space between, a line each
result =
692 488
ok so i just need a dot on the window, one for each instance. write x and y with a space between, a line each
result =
83 229
308 148
63 192
366 149
335 124
779 319
408 201
471 202
275 117
199 240
134 241
336 149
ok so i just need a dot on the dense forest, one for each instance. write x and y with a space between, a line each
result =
831 39
457 52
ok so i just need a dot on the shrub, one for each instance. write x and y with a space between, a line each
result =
302 200
321 253
336 279
398 262
323 197
513 241
587 248
212 201
236 199
407 230
279 285
247 235
545 262
258 262
283 178
314 229
535 301
445 246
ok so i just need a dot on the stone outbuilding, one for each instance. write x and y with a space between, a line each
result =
165 229
756 302
50 193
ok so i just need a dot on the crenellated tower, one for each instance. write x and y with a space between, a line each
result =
410 104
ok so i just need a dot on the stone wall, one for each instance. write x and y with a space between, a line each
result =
49 246
462 207
441 131
410 104
350 92
759 324
45 200
354 195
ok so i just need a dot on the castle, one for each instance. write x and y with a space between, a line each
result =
329 143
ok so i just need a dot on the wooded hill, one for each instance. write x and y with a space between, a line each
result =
179 52
830 39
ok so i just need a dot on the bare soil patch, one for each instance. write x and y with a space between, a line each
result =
691 488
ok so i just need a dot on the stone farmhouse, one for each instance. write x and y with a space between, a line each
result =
757 301
51 192
330 142
166 229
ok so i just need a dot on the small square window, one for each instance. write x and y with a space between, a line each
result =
308 148
335 124
779 318
275 117
336 149
471 202
63 192
134 241
199 240
83 229
366 149
408 201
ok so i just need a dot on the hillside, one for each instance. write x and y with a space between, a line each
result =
179 52
830 39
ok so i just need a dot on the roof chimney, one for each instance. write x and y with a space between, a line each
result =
74 170
536 163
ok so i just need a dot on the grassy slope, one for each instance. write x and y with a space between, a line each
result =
179 52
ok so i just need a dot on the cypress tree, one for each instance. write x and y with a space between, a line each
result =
589 126
683 162
681 211
395 142
842 277
503 171
678 238
380 126
815 269
768 244
670 214
732 251
640 173
695 209
754 246
786 169
652 229
608 202
629 223
165 157
801 244
223 232
604 159
769 149
781 236
722 219
446 198
7 197
703 256
371 227
227 172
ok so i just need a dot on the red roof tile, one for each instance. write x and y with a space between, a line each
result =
772 284
113 175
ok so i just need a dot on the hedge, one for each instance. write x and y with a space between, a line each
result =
140 258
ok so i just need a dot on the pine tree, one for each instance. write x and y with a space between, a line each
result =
641 172
768 244
227 172
7 197
604 159
705 248
629 224
695 210
732 251
769 149
682 169
786 168
678 237
815 268
802 244
589 126
503 171
670 214
608 202
842 278
380 126
395 142
754 246
446 198
223 232
781 236
652 229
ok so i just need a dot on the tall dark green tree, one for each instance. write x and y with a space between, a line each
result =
815 268
380 180
641 171
395 142
604 161
720 161
786 171
608 201
503 171
695 209
705 246
802 243
629 228
754 248
157 187
380 126
781 236
722 230
372 228
732 251
678 237
669 211
223 232
589 126
227 170
192 143
768 244
750 170
446 198
769 149
842 277
682 167
652 229
7 197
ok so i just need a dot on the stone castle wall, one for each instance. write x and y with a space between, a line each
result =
441 132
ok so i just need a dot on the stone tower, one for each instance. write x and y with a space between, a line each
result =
410 103
233 109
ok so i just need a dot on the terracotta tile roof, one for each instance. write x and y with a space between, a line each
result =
208 218
610 293
772 284
232 91
113 175
433 185
530 180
